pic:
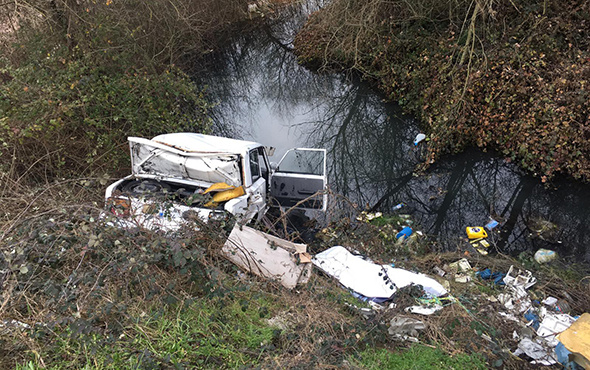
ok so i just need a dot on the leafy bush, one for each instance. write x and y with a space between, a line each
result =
63 115
89 288
81 76
509 76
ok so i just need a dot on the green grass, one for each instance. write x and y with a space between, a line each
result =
416 357
209 333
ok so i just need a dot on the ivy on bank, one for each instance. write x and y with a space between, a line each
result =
65 113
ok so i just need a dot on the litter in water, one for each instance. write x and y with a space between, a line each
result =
492 224
476 232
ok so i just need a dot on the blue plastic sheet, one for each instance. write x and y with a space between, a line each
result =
563 358
530 315
487 274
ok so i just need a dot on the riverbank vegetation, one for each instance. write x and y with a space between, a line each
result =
80 294
77 78
511 76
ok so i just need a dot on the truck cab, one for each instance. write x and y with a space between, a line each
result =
181 175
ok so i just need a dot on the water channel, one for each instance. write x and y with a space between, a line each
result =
264 95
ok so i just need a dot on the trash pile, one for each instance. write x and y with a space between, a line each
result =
540 331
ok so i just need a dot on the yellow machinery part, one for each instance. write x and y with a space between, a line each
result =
219 186
225 195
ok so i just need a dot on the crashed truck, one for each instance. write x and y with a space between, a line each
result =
181 177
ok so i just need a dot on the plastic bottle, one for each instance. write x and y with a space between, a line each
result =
419 138
399 206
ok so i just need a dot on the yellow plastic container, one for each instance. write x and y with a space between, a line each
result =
476 232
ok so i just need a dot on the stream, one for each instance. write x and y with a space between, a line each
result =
264 95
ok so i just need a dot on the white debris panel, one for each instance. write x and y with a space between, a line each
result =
268 256
370 279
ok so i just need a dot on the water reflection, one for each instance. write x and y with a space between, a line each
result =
266 96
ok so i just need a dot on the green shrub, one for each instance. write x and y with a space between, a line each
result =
81 76
61 114
508 76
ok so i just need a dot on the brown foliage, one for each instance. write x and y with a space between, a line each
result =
509 76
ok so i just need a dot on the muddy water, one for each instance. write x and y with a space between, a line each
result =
263 94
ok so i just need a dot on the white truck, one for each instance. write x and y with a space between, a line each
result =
179 177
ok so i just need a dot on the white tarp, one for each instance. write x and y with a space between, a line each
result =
370 279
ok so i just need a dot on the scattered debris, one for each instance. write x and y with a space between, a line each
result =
481 245
552 325
404 233
281 321
549 301
424 310
563 357
460 266
577 340
437 270
405 328
419 138
558 305
462 270
517 278
535 350
487 274
8 325
492 224
365 312
397 207
543 229
266 255
364 216
476 232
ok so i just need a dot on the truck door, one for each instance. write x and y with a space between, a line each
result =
300 179
258 170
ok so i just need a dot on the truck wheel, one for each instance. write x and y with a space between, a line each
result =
143 187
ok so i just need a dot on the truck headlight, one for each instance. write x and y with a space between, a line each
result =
217 215
120 207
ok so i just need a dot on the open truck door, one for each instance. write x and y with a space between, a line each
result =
301 177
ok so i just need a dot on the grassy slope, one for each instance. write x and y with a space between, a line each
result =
510 76
99 297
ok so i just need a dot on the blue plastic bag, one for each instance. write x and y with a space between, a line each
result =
404 233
